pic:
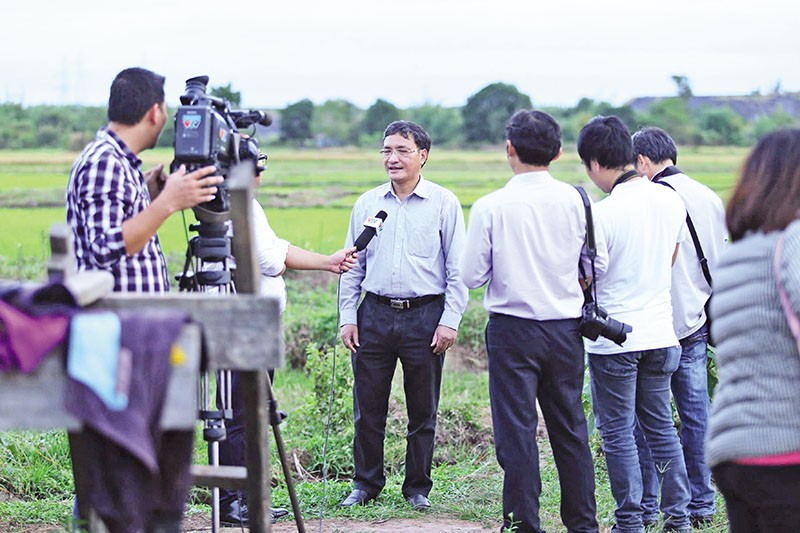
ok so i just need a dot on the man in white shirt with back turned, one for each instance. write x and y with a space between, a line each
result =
525 240
655 156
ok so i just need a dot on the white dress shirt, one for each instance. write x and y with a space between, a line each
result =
525 240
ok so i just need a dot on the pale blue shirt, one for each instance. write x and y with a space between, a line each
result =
416 253
525 240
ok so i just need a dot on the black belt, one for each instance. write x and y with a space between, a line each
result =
405 303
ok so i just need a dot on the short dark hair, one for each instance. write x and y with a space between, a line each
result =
409 130
535 136
767 195
607 141
133 92
654 143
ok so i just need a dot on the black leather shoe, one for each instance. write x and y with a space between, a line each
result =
234 514
419 502
278 512
357 497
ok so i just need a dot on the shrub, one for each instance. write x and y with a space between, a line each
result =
310 422
311 317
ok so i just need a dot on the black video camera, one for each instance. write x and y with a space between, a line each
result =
595 322
206 133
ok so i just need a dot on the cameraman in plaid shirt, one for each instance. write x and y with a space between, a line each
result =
114 208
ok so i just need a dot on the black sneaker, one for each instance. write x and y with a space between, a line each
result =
277 513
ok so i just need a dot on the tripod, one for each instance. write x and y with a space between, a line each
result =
209 253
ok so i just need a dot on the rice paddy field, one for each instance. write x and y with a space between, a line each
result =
307 194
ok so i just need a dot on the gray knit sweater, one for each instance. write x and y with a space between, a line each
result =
756 407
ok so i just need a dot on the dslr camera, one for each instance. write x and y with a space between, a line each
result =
207 133
595 322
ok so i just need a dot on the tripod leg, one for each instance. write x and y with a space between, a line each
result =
213 451
287 474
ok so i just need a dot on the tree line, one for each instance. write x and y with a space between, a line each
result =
341 123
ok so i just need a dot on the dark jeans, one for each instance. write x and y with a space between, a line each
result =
387 335
762 499
530 359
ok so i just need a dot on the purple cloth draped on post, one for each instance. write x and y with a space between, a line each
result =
32 323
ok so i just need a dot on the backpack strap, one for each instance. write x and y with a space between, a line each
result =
791 317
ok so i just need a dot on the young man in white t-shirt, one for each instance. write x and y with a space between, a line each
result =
637 230
655 157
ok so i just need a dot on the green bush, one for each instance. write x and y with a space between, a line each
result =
332 379
310 318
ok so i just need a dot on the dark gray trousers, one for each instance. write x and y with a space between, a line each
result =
530 359
387 335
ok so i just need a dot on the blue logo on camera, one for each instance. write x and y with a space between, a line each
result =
192 122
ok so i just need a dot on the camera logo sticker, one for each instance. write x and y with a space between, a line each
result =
192 122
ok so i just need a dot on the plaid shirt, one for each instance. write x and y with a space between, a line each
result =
106 187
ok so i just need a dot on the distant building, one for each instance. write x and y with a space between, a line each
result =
749 107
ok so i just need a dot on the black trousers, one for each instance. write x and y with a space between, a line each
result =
760 498
232 450
387 335
530 359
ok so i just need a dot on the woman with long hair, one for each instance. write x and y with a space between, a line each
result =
753 440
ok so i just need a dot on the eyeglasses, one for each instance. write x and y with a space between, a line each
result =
401 152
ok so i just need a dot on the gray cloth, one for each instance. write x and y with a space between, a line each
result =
756 406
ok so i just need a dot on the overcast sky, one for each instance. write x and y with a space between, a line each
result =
407 52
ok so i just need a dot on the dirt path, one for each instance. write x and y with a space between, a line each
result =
201 523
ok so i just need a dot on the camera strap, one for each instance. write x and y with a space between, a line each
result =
591 248
626 176
693 232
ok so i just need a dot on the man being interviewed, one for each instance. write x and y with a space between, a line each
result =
413 305
525 240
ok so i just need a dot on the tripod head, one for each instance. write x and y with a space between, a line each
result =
210 253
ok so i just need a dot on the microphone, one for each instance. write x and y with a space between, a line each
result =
371 227
245 119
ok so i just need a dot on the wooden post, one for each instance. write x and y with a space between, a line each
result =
253 382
